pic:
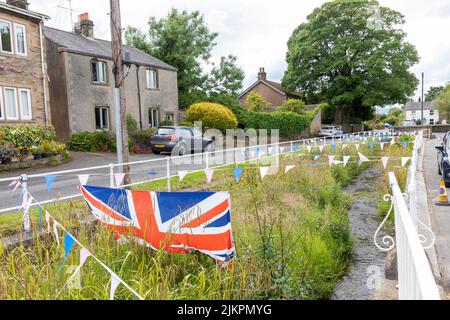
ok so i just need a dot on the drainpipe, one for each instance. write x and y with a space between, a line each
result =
44 74
139 95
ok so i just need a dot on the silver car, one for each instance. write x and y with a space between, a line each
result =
330 131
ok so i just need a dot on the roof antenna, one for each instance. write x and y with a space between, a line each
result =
71 11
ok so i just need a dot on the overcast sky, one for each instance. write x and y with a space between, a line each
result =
256 31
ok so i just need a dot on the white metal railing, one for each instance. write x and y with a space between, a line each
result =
415 278
169 169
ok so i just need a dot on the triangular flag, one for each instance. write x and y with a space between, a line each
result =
357 146
49 181
258 150
405 161
243 152
333 148
392 141
405 144
69 241
321 149
238 173
47 219
16 186
346 160
114 284
264 171
330 160
84 254
385 161
119 177
55 231
370 145
288 168
316 157
360 162
309 148
209 174
382 146
363 158
83 179
282 149
269 150
296 149
182 174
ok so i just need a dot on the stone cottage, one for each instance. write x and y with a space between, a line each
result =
24 94
82 86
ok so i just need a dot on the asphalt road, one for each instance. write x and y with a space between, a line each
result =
440 216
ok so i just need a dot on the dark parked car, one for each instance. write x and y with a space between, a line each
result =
443 159
181 140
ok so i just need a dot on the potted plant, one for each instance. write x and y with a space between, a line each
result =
37 152
49 149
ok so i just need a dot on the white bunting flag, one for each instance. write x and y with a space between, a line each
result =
114 284
282 149
209 175
321 149
83 179
346 160
382 146
288 168
182 174
344 146
84 254
47 219
385 161
405 160
269 149
363 158
119 177
264 172
55 231
330 160
357 146
392 141
309 148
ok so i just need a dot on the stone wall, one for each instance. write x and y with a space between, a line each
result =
25 71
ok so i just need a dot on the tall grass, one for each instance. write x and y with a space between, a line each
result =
290 231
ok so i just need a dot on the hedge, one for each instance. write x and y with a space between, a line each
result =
213 115
26 136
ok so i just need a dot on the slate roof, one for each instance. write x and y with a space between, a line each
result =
75 43
275 85
417 106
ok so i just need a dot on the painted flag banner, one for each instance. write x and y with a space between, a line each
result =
49 180
238 173
405 160
288 168
178 222
209 175
119 177
83 179
69 241
385 161
346 160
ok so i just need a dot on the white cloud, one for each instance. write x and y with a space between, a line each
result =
257 31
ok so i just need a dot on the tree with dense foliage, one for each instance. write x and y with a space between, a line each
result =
183 40
256 103
212 115
433 93
226 77
293 105
443 103
355 55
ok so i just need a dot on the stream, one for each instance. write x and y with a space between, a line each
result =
367 261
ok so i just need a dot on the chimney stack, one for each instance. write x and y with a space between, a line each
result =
84 26
22 4
262 75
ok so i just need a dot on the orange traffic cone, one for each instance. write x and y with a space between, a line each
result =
443 197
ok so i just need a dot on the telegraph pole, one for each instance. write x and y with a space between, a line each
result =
423 98
123 153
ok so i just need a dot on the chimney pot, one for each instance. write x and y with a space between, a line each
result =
84 26
262 75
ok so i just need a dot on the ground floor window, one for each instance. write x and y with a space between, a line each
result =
25 104
15 104
170 117
153 117
11 108
101 118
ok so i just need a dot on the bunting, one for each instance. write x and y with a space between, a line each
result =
69 241
346 160
405 160
264 171
119 177
49 180
182 174
209 175
384 161
288 168
238 173
83 179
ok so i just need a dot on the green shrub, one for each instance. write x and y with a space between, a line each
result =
142 137
256 103
293 105
132 125
26 136
81 142
212 115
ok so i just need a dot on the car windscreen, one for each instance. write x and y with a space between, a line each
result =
165 132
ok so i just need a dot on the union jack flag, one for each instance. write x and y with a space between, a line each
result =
178 222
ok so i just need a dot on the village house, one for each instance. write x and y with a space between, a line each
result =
414 112
82 87
270 91
24 92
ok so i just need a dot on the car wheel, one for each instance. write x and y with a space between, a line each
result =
156 152
182 150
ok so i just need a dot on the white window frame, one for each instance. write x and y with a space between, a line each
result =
2 110
102 125
151 123
16 102
147 77
17 40
104 75
11 31
22 116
